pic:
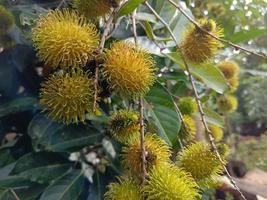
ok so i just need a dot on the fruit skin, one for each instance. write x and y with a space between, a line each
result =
94 8
199 47
227 103
201 162
6 20
64 39
188 129
66 97
158 152
129 71
234 83
216 132
229 68
168 182
187 105
231 71
123 125
124 189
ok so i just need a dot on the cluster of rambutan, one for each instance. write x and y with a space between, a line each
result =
195 166
228 103
198 47
66 41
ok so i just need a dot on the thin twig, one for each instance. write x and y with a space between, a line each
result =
141 118
202 114
100 51
14 194
215 37
61 4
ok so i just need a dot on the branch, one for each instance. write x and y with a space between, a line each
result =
141 110
100 51
215 37
202 114
14 194
62 2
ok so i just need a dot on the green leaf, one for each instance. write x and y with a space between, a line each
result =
146 17
68 187
41 167
245 36
18 105
209 74
14 182
129 7
6 157
6 194
98 188
212 117
149 31
52 136
30 193
161 108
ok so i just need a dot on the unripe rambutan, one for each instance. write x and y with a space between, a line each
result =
124 189
6 20
157 152
227 103
216 132
201 162
67 97
199 47
229 69
187 105
168 182
223 150
188 128
65 39
94 8
124 124
128 70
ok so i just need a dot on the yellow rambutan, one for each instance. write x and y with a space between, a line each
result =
197 46
216 132
6 20
128 70
223 150
229 68
94 8
227 103
124 124
168 182
65 39
124 189
157 152
67 97
187 105
201 162
234 83
188 128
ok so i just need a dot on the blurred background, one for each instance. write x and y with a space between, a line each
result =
247 127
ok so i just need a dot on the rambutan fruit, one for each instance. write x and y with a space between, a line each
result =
65 39
66 97
128 70
197 46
